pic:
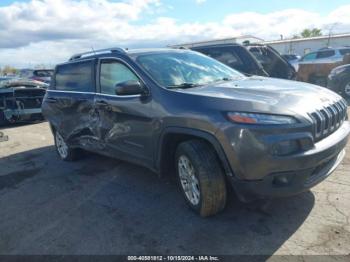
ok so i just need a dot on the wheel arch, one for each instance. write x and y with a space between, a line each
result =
171 137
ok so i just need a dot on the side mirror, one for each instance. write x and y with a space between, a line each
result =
131 87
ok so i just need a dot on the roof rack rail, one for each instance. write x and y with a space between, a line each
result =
98 52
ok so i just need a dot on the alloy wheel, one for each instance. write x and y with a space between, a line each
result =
62 147
188 179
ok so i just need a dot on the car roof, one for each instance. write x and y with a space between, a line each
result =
111 52
134 52
332 48
214 45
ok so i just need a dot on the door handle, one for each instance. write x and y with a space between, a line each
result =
101 103
104 104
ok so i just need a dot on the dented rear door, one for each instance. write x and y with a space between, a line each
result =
68 104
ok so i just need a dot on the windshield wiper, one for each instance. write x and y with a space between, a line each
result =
224 79
183 85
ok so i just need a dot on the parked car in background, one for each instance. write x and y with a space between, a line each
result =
6 78
42 75
20 100
325 55
235 56
339 80
316 71
274 64
293 60
179 111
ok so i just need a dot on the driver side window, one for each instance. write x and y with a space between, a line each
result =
113 73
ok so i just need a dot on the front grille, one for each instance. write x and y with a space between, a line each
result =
328 119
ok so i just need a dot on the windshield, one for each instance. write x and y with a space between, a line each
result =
185 69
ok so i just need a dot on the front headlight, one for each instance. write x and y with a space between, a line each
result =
262 119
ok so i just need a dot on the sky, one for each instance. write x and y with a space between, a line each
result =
46 32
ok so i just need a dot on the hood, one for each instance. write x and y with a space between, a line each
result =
270 93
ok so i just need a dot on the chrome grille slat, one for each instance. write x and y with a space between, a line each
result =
322 121
328 119
339 114
335 116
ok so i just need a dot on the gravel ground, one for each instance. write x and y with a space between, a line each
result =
100 205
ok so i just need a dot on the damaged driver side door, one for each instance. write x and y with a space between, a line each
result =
124 117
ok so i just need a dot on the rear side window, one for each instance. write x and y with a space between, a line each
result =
310 56
224 55
325 54
43 73
236 57
344 51
75 77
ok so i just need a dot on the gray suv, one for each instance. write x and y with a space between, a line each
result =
178 111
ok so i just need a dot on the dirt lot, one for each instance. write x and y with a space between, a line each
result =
103 206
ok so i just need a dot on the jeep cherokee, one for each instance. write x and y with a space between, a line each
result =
179 110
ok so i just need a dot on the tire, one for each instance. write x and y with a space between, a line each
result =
64 151
207 189
346 89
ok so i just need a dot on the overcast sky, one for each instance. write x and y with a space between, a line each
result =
49 31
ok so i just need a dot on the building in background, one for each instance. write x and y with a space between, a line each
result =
233 40
302 46
299 46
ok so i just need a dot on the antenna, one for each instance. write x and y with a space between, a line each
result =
93 50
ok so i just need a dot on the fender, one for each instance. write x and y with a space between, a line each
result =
210 138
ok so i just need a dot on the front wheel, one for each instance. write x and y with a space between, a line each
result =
64 151
201 177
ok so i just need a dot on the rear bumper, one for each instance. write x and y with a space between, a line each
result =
21 114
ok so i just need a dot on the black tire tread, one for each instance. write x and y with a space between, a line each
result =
210 174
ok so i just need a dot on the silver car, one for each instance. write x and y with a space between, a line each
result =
326 55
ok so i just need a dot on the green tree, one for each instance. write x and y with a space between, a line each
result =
8 70
311 32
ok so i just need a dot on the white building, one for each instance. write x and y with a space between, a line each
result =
299 46
303 46
233 40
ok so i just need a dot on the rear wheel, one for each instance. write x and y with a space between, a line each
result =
64 151
201 177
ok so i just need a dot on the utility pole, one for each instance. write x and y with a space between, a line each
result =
330 34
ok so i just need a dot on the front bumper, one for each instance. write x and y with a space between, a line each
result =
286 183
267 176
